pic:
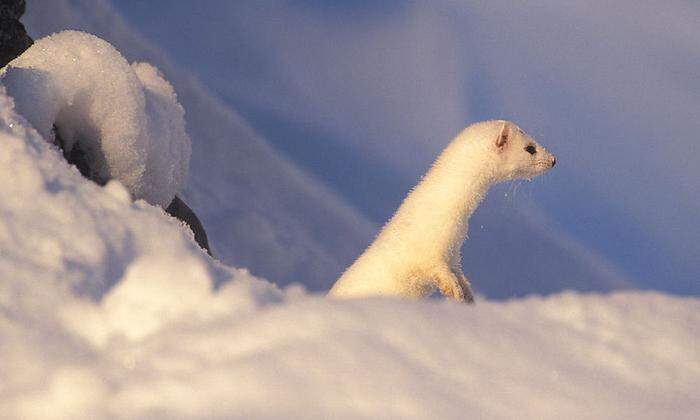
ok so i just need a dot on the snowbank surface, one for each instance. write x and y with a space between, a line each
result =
127 119
108 309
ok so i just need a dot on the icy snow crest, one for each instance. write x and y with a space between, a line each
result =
126 118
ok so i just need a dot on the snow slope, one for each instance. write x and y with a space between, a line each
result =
365 94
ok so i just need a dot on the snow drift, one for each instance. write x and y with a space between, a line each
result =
109 309
127 118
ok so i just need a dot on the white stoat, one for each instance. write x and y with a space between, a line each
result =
419 248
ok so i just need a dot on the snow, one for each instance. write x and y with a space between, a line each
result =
127 119
109 309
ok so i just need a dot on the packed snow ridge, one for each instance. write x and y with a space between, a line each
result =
126 117
109 309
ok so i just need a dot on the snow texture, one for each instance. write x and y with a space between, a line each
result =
126 118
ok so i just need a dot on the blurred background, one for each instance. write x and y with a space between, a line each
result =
312 119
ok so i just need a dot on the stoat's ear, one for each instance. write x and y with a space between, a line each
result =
503 137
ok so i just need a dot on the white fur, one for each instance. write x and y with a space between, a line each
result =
419 248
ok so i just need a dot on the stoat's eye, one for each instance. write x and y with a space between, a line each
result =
531 149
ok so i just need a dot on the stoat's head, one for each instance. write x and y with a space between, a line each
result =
516 154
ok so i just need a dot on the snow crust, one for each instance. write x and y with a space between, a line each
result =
127 118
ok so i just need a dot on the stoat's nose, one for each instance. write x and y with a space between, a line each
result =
554 162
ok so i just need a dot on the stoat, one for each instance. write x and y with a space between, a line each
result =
418 250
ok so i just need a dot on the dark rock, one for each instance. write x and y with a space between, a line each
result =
13 37
12 9
180 210
78 157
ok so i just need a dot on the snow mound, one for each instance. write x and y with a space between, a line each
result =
126 118
59 230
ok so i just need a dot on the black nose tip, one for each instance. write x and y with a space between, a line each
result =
554 162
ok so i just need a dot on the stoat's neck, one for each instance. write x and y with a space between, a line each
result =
438 209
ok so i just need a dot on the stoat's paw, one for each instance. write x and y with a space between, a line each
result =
449 285
466 287
453 292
